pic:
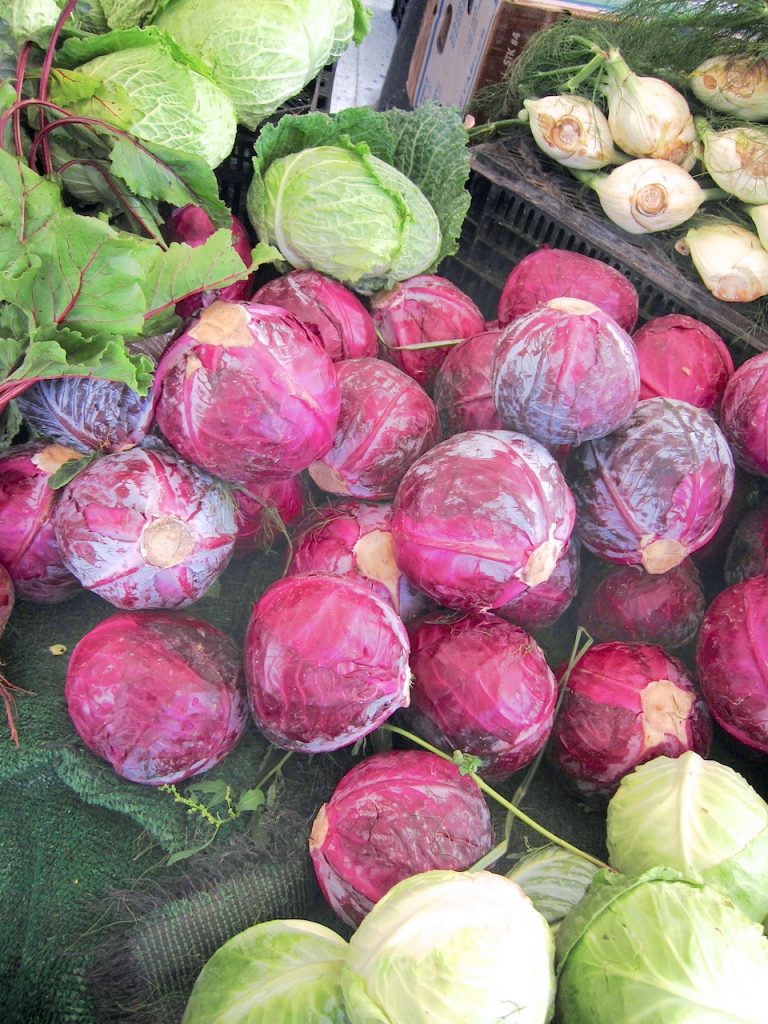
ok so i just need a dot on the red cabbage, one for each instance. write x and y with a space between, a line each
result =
354 539
552 273
481 685
192 225
424 308
744 413
625 704
747 554
565 373
326 662
260 509
392 816
682 358
386 422
248 394
480 518
543 605
159 696
732 661
340 320
28 546
746 495
463 385
656 489
628 603
7 595
143 529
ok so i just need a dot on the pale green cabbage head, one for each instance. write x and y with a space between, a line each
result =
553 879
453 948
699 817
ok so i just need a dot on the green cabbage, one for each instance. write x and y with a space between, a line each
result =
553 879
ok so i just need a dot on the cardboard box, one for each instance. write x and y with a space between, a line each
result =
464 45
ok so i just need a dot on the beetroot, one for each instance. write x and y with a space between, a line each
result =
481 685
386 422
682 358
748 551
340 320
480 518
28 546
354 539
732 661
157 695
248 394
86 413
263 510
143 529
192 225
326 662
392 816
628 603
744 414
656 489
625 704
7 596
425 308
552 273
565 373
543 605
463 385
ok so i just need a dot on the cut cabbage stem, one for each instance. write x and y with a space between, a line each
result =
494 795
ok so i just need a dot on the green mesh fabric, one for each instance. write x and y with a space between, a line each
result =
95 926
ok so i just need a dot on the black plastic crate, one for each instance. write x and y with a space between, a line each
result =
522 200
398 12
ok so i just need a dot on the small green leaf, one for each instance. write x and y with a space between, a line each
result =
273 791
10 425
70 470
251 800
467 763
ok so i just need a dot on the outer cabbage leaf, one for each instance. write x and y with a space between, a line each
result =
353 23
553 879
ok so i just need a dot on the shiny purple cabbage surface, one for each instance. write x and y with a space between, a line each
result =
353 538
385 423
480 518
326 662
159 696
625 704
391 816
263 510
656 489
248 393
747 554
747 494
732 661
29 549
627 603
144 529
192 226
425 308
341 321
744 414
87 413
565 373
463 393
553 273
543 605
7 597
481 685
681 357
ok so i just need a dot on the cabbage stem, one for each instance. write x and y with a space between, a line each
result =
502 801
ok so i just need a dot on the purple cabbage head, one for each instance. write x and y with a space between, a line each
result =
481 685
248 393
326 662
543 605
565 373
656 489
340 320
87 413
29 549
424 308
263 510
463 392
480 518
395 815
625 704
386 422
354 539
732 661
743 414
159 696
7 596
143 529
747 554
